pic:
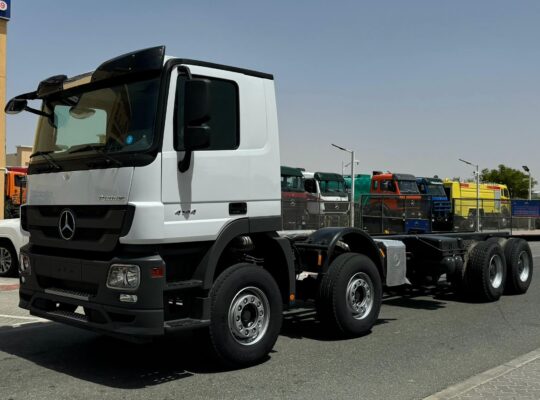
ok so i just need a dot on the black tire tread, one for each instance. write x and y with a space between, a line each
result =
327 304
513 247
222 279
476 281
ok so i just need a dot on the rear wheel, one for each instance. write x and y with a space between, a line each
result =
485 272
350 295
519 262
8 259
246 314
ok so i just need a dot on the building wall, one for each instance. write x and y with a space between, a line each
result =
21 158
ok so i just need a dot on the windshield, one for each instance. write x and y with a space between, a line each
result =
292 183
113 119
408 187
333 186
436 189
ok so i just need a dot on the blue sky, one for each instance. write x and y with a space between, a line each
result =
410 85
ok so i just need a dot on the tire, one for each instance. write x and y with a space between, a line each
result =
8 259
251 289
350 295
519 263
485 272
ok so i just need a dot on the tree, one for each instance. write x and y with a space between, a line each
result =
516 180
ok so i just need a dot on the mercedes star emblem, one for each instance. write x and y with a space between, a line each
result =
66 225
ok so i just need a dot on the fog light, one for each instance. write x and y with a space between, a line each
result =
124 277
128 298
24 264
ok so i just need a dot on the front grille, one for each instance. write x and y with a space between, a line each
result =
97 228
336 206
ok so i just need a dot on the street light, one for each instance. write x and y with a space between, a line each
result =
477 173
352 180
530 188
343 165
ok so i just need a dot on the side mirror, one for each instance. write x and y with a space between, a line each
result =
15 106
196 114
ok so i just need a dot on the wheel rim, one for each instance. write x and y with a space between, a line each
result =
360 295
249 316
524 266
495 271
5 260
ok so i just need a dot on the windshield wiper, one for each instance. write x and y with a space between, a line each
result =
47 156
98 149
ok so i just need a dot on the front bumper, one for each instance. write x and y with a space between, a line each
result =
74 291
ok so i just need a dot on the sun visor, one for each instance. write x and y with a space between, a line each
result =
141 61
51 85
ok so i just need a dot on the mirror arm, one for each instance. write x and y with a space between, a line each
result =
37 112
184 164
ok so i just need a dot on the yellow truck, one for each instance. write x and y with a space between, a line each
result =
494 203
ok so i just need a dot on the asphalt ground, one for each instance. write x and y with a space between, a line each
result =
422 343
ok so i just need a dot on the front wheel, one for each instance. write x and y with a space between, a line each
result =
350 295
246 314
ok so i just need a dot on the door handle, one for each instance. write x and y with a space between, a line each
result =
237 208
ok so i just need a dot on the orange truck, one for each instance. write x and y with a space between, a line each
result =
14 191
402 191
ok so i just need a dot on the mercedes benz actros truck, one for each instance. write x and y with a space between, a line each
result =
154 204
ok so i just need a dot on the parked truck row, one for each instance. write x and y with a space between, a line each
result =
154 206
428 203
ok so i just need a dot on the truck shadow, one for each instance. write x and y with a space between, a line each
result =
108 361
118 364
303 323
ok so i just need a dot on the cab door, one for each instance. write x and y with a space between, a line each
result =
236 175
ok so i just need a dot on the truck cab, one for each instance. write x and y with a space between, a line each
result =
15 190
329 198
293 199
441 207
362 184
493 204
403 197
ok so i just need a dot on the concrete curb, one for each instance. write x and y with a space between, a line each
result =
484 377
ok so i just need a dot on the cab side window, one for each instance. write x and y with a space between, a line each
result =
224 115
310 186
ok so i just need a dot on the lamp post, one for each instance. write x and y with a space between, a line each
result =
530 189
343 166
352 180
477 173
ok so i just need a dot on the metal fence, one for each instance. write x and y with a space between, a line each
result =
395 214
304 213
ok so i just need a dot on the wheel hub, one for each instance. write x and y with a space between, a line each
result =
495 271
524 267
5 260
360 295
249 315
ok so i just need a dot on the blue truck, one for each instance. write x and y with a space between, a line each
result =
441 207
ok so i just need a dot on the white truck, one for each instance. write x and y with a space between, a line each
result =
328 204
154 206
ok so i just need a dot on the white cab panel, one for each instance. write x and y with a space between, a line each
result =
98 186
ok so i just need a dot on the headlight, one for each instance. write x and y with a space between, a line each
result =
124 277
24 264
